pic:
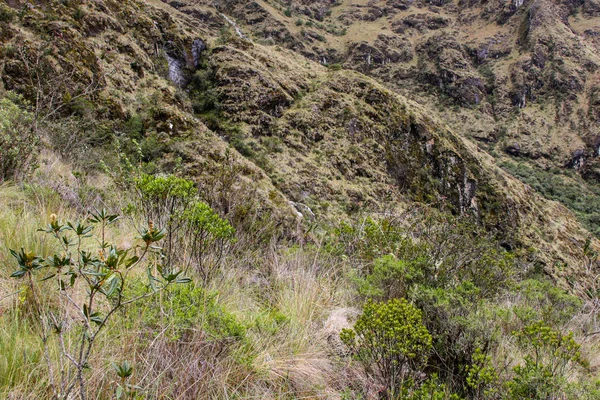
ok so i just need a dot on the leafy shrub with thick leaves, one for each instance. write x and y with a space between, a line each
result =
90 277
390 340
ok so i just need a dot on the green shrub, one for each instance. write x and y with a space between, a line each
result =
208 234
18 138
482 378
203 91
391 278
390 340
164 197
454 318
202 236
566 187
540 299
551 357
183 308
431 389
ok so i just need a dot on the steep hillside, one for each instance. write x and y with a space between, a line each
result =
331 142
240 199
517 78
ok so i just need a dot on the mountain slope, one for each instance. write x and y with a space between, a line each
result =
330 142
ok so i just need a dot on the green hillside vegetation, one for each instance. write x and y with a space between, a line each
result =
229 200
583 199
276 317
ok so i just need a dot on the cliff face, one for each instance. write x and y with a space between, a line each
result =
331 139
529 66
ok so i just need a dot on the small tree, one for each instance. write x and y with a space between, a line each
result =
98 273
207 234
391 342
202 236
164 199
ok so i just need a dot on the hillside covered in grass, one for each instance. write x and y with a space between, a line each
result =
221 201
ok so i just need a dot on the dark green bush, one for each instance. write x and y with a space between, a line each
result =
391 342
203 91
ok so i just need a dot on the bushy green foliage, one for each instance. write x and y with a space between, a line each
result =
448 250
540 299
431 389
572 191
482 377
452 272
18 138
207 233
203 92
164 198
389 338
186 307
391 278
202 234
551 355
455 318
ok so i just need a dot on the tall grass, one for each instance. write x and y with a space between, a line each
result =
276 296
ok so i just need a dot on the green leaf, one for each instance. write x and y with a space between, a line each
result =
48 277
18 273
96 318
110 286
93 273
131 261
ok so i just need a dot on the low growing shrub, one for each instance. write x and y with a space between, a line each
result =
391 342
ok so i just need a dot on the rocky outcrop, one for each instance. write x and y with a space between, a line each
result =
182 62
444 64
421 23
385 50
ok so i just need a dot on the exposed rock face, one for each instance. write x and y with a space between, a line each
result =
385 50
198 47
578 159
444 64
514 149
177 75
183 62
596 146
421 23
